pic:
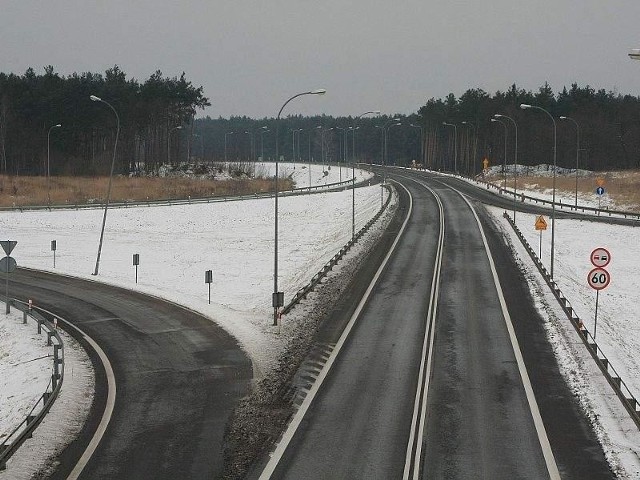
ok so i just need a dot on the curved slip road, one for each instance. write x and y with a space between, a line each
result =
178 377
478 411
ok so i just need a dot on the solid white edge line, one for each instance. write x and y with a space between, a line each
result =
423 376
304 407
108 410
549 458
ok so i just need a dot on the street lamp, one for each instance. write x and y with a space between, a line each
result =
48 172
525 106
322 131
353 170
577 154
515 163
455 145
475 144
381 143
263 130
421 140
386 128
278 297
169 144
634 54
343 150
250 144
225 145
113 162
504 161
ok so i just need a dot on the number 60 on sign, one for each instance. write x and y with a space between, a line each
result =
599 278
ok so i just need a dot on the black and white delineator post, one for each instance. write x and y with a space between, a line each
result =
208 279
136 262
53 249
599 278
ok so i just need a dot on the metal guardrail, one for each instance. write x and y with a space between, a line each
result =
629 401
187 201
25 429
317 278
596 211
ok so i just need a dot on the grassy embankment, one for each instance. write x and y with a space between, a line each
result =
23 191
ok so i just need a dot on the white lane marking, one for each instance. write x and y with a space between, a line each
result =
299 415
419 407
549 458
108 410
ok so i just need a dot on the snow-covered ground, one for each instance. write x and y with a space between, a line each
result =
26 365
235 240
177 244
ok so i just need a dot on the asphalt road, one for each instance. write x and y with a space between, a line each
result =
479 423
178 377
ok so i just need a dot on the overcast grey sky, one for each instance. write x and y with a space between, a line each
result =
392 55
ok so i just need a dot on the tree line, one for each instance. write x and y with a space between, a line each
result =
158 126
32 105
608 125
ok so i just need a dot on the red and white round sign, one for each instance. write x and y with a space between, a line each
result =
598 278
600 257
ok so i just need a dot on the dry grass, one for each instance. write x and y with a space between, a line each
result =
24 191
623 187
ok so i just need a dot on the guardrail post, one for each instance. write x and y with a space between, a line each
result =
24 318
39 326
56 360
30 419
49 335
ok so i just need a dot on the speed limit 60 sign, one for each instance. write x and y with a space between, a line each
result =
598 278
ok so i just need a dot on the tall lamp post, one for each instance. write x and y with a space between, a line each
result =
179 127
475 144
515 163
113 162
385 129
526 106
577 153
278 297
225 145
353 171
250 134
343 150
504 161
263 130
48 156
421 140
455 145
322 131
381 127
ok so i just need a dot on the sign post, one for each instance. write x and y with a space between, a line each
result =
541 224
53 249
208 278
7 265
599 192
598 277
136 262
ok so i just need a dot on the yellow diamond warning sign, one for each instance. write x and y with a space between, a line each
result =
541 223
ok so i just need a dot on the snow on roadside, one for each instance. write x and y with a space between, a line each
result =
176 244
26 365
63 422
618 322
